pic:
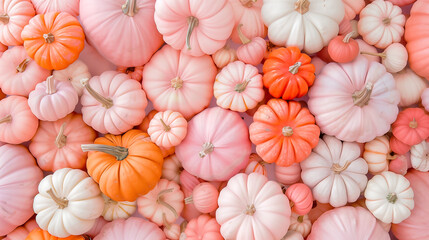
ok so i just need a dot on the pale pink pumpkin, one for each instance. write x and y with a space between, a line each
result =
410 86
172 168
251 51
175 81
425 99
135 73
20 74
203 227
113 103
394 57
257 165
204 197
195 27
98 225
19 178
167 129
217 145
301 198
353 8
21 232
17 123
74 73
45 6
57 144
129 229
224 56
371 51
238 87
400 164
15 14
398 146
52 99
120 29
248 13
288 175
188 182
319 64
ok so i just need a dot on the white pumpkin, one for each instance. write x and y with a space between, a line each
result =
335 172
115 210
301 224
420 156
389 197
376 154
410 86
74 73
307 24
68 203
394 57
293 235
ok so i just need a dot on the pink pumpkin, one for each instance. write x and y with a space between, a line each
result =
318 209
74 73
397 146
204 227
19 179
368 51
288 175
15 14
318 64
96 229
172 168
167 129
301 197
113 103
20 74
224 56
175 81
45 6
195 27
217 145
400 164
204 197
257 165
425 99
251 51
353 8
135 73
21 232
248 13
188 182
132 228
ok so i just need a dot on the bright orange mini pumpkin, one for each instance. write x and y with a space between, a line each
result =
54 40
126 166
39 234
283 132
411 126
288 73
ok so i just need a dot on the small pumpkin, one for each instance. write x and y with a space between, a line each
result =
257 165
167 129
75 73
251 51
349 26
130 229
224 56
394 57
398 146
343 49
248 13
377 155
410 86
45 6
400 164
411 126
300 223
353 8
204 197
188 182
293 235
288 175
15 15
368 51
98 226
22 232
115 210
301 198
172 168
317 210
173 231
419 156
425 99
135 73
203 227
40 234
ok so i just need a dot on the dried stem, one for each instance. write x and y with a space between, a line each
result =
119 152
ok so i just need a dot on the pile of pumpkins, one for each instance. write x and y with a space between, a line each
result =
214 119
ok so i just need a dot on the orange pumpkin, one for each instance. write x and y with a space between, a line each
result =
288 73
54 40
283 132
39 234
126 166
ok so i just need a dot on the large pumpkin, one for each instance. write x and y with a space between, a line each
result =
15 14
45 6
130 229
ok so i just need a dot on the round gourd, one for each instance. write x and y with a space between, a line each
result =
115 210
15 14
251 51
131 229
75 73
172 168
411 126
167 129
288 175
45 6
248 13
420 156
204 197
410 86
256 165
224 56
300 223
135 73
343 49
377 155
394 57
301 198
40 234
203 227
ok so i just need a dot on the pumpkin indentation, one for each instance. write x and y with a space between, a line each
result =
248 3
287 131
207 149
176 83
61 139
338 169
250 210
23 65
392 198
49 37
4 18
362 97
130 8
413 124
240 87
62 202
302 6
192 23
295 68
130 69
6 119
106 102
117 151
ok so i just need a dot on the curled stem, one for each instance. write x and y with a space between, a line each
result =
119 152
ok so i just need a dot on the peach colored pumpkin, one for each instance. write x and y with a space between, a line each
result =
119 29
343 48
175 81
167 129
353 8
15 14
300 197
21 232
75 73
377 155
204 227
425 99
319 64
196 28
300 223
394 57
347 26
257 165
398 146
172 168
224 56
317 210
113 103
400 164
251 51
135 73
188 182
410 86
45 6
288 175
130 229
17 123
20 74
204 197
146 121
57 144
366 48
248 13
52 100
411 126
238 87
96 229
19 178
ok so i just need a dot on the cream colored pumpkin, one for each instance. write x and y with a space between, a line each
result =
115 210
293 235
74 73
301 224
376 154
420 156
410 86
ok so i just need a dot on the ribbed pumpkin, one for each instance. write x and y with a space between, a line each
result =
39 234
411 126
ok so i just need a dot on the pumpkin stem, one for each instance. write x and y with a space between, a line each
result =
294 68
192 23
242 37
362 97
166 127
382 55
248 3
8 118
50 85
119 152
165 222
160 200
240 87
300 219
392 197
4 18
338 169
130 69
250 210
189 200
176 83
106 102
291 204
207 149
287 131
302 6
23 65
391 157
387 21
61 139
49 37
346 38
183 226
130 8
413 124
62 202
86 237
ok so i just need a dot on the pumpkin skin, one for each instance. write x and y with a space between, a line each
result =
288 175
20 74
352 8
135 73
410 86
347 26
139 170
173 231
419 159
401 3
251 51
224 56
43 6
343 49
411 126
366 48
172 168
20 177
132 228
288 73
56 144
17 122
398 146
400 164
68 203
318 209
54 40
377 155
293 235
204 196
301 224
15 15
248 13
283 132
283 17
167 129
346 96
256 164
203 227
212 156
174 81
115 210
248 200
238 87
119 32
301 197
96 229
40 234
394 57
21 232
74 73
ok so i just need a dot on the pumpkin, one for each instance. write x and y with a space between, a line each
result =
288 73
204 197
40 234
248 13
347 223
368 51
212 156
411 126
361 203
293 235
203 227
19 178
398 146
343 49
135 73
224 56
283 132
377 155
389 197
349 26
45 6
353 8
188 182
17 122
167 129
96 229
256 164
68 203
400 164
20 74
335 171
419 156
75 73
21 232
301 198
130 229
119 29
425 99
15 14
163 204
172 231
115 210
52 100
394 57
381 23
126 166
172 168
251 51
54 40
174 81
113 103
300 223
146 121
238 87
196 28
410 86
288 175
346 96
318 64
56 144
318 209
